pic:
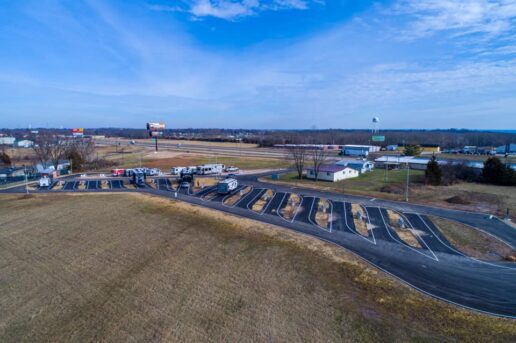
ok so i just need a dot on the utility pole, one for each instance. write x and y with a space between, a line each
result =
407 183
26 180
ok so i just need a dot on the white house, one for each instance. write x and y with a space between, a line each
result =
362 165
332 172
7 140
24 143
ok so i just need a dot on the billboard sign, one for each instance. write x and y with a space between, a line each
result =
155 126
78 132
378 138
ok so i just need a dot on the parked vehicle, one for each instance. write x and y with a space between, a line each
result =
230 176
207 169
45 181
227 186
154 172
132 142
176 170
184 184
117 172
232 169
129 172
138 179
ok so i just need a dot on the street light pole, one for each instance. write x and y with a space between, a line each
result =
407 183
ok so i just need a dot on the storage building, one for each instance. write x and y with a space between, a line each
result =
359 150
332 172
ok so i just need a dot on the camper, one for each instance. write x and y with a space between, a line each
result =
207 169
138 179
176 170
45 181
227 186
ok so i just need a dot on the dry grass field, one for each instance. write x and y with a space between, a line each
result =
130 267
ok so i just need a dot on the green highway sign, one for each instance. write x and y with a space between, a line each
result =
378 138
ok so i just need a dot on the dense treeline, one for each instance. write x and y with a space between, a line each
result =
445 138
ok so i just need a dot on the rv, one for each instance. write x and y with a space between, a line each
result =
176 170
227 186
138 179
45 181
206 169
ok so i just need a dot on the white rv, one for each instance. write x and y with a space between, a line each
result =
207 169
227 186
176 170
45 181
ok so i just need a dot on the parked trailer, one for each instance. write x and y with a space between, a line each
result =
207 169
227 186
176 170
45 181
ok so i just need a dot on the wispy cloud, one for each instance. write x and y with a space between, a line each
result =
458 17
234 9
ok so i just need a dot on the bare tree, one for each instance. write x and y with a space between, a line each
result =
298 156
50 149
317 156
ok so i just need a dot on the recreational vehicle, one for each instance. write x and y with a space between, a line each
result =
207 169
227 186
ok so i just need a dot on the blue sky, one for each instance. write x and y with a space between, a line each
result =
258 64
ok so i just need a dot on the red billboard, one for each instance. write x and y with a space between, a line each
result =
78 132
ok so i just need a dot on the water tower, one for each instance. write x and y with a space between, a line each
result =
375 128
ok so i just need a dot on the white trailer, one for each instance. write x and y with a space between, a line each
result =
207 169
176 170
45 181
227 186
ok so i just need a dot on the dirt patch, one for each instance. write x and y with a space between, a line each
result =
293 202
393 189
405 233
360 219
457 199
203 182
322 217
473 242
264 199
237 196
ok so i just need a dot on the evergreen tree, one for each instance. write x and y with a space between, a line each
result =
433 173
497 173
412 150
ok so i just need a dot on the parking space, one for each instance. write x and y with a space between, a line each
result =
305 209
93 185
431 236
274 204
70 185
249 199
116 184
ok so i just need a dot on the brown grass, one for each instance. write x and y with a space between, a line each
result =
236 197
322 215
206 181
289 211
82 185
166 271
151 183
360 224
473 242
264 199
406 234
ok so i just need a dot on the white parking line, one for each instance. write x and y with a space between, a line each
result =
405 244
310 214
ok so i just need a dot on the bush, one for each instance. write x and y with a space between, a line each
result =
495 172
433 175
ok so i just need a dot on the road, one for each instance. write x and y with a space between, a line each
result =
437 269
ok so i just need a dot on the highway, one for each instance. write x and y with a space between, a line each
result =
437 269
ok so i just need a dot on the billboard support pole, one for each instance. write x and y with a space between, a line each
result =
156 140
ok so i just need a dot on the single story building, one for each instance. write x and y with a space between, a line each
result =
5 140
506 149
430 149
362 165
332 172
25 143
359 150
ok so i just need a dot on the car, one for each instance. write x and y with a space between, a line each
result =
184 184
232 169
132 142
230 176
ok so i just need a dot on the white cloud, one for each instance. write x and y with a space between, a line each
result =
235 9
459 17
